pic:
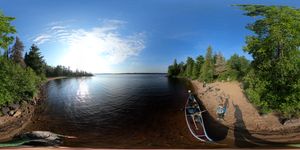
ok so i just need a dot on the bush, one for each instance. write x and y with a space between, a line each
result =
16 83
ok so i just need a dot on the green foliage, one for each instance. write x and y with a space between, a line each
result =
197 67
274 82
189 67
174 69
211 68
35 60
237 67
5 31
207 71
16 83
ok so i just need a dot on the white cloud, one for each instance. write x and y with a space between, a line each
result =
41 39
96 49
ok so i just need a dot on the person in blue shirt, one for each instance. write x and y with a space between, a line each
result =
220 112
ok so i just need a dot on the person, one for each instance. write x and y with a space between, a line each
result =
220 112
191 97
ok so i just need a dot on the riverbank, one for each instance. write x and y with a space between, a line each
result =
12 125
242 118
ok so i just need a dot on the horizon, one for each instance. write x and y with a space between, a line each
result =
130 37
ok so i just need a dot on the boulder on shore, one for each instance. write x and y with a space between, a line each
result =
14 106
5 110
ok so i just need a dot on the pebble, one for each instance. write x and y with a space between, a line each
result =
11 113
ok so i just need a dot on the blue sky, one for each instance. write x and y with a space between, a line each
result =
130 35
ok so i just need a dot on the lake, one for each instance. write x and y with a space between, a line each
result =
117 111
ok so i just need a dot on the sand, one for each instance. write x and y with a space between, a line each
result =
242 115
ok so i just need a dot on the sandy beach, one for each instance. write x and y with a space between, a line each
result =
242 118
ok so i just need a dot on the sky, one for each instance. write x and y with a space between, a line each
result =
130 36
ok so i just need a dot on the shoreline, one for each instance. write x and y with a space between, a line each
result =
54 78
242 118
12 125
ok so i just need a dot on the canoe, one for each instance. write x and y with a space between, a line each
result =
194 120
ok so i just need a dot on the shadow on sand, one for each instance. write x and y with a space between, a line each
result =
243 137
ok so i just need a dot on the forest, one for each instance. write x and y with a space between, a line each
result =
271 81
22 75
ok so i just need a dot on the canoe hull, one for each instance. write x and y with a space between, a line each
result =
196 125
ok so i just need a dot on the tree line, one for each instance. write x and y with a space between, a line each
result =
211 67
272 79
21 75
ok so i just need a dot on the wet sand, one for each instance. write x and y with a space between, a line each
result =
244 125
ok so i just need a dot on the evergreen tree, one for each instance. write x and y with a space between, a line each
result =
197 67
220 65
181 67
17 52
173 70
207 71
274 81
35 60
189 67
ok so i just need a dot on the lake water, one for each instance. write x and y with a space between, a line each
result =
117 111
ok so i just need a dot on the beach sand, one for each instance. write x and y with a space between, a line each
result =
242 118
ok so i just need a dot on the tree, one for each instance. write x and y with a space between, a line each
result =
17 52
173 70
189 67
220 65
274 81
35 60
208 69
5 31
197 67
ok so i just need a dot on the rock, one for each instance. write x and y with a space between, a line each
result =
18 113
5 110
14 106
11 113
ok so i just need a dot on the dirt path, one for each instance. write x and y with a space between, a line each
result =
242 116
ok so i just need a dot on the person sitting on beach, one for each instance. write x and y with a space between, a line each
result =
220 112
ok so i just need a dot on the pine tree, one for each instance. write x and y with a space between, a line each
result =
35 60
208 68
197 67
220 64
17 52
189 67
